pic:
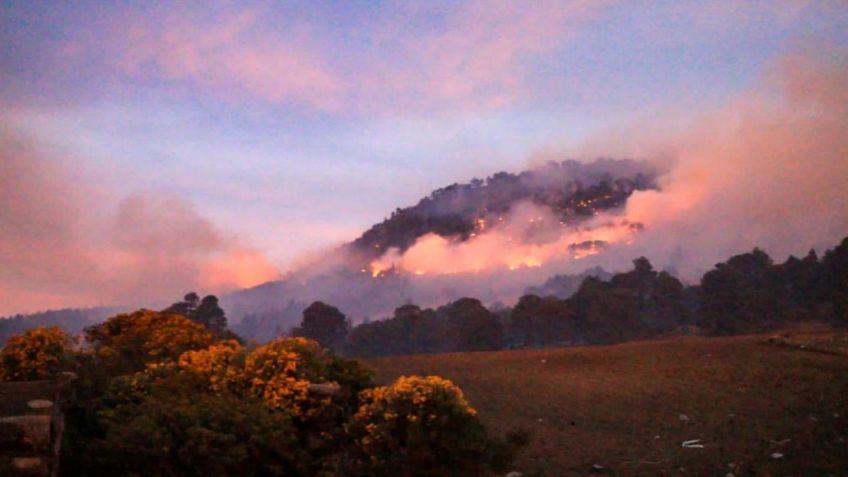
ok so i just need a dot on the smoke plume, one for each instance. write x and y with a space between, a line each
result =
65 242
769 169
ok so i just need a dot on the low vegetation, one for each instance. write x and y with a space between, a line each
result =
160 394
753 405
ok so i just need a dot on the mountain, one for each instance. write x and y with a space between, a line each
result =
72 320
571 192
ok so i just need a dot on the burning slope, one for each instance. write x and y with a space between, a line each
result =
770 169
561 210
514 243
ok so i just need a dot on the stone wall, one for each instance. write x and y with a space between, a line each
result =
31 426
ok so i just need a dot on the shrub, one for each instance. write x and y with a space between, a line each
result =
176 433
281 373
418 426
171 400
127 343
40 353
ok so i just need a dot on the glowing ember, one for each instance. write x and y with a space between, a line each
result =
511 245
376 271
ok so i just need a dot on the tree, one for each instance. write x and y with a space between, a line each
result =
207 312
324 324
744 294
835 280
537 321
185 307
210 314
39 353
411 330
470 326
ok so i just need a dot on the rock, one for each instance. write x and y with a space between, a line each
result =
35 429
683 417
692 444
776 455
40 406
514 474
29 463
598 469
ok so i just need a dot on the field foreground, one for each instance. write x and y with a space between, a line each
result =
758 405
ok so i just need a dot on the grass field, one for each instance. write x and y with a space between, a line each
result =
759 406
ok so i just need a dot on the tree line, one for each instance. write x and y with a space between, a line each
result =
747 293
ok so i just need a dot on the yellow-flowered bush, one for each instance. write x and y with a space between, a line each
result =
418 426
160 390
281 371
127 343
220 365
39 353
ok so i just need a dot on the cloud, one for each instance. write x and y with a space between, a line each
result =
62 244
409 57
478 57
232 51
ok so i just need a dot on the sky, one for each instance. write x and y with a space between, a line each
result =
144 144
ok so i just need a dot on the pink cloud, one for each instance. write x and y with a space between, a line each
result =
229 53
480 59
477 59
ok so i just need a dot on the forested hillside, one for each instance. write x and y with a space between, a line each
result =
573 190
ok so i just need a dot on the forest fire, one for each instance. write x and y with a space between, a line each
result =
519 242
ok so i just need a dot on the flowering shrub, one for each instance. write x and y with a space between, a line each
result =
126 343
221 365
281 371
165 396
39 353
178 433
415 427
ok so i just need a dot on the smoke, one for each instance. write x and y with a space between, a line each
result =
527 237
769 169
65 242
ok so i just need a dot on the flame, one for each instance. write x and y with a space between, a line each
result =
587 252
508 244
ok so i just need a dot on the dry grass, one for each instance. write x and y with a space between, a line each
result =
620 406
